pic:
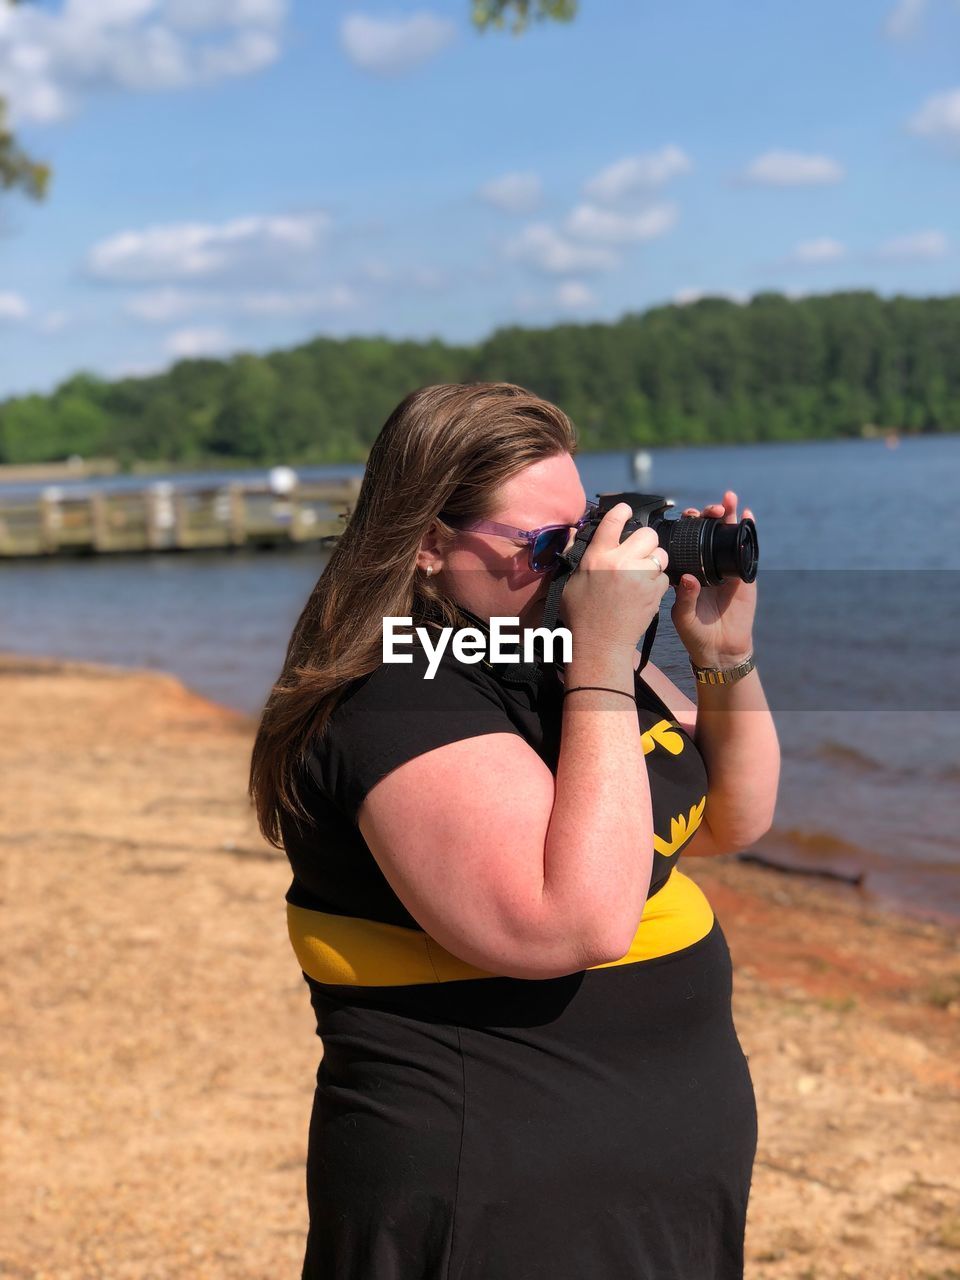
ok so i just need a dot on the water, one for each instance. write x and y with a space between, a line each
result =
859 611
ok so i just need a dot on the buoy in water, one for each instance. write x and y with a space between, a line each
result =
283 480
642 464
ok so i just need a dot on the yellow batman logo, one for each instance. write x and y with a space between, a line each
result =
682 828
663 734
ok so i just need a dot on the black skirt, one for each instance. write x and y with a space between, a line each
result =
602 1126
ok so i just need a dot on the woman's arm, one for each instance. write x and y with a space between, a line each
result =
734 732
736 736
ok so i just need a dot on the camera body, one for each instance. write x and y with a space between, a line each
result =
709 549
701 545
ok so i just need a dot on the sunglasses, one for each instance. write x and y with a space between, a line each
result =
545 544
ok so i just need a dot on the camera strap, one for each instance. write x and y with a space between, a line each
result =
534 673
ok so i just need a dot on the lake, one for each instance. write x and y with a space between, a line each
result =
858 619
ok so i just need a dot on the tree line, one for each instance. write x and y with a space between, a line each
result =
712 371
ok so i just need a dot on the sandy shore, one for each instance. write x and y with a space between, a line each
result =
159 1045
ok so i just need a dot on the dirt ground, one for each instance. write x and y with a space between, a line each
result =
159 1044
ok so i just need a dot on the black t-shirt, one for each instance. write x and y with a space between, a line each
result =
394 714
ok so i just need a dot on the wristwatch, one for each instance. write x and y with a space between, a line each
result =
723 675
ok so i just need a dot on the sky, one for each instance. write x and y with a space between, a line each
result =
243 175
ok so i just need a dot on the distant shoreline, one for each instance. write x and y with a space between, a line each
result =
147 468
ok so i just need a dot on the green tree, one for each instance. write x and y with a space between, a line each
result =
244 426
710 372
17 169
28 431
494 13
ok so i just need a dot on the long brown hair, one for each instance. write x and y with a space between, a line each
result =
445 450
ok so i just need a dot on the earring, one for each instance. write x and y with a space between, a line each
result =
429 570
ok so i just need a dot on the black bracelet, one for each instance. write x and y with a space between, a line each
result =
599 686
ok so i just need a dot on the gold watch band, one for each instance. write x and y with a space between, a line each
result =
723 675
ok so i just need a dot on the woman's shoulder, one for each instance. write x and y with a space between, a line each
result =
416 676
398 711
412 695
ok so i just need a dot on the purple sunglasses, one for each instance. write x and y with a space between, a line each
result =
546 544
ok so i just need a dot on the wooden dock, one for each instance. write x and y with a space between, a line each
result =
161 516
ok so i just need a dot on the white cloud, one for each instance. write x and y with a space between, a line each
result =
815 252
161 306
573 295
39 101
205 15
219 295
13 307
514 192
685 297
425 279
939 116
186 344
920 246
137 368
249 51
338 297
540 246
588 222
51 60
198 250
904 18
108 13
639 173
792 169
386 46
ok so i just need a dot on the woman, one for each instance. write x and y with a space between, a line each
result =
530 1067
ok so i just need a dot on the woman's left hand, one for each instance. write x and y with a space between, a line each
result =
716 623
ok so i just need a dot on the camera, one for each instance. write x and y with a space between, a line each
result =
700 545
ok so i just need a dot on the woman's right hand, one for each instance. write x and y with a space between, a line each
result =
610 611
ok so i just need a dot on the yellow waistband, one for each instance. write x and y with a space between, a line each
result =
364 953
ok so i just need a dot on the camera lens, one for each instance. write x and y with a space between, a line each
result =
709 549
